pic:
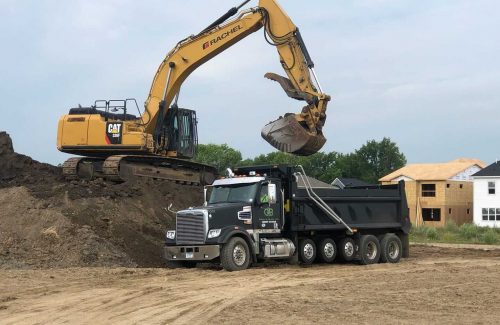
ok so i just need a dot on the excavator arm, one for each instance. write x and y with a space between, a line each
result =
299 133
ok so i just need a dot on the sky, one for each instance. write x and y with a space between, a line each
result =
424 73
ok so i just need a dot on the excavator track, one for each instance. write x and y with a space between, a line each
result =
82 168
120 168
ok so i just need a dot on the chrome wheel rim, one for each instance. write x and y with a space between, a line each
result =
308 251
349 249
329 250
371 250
393 250
239 255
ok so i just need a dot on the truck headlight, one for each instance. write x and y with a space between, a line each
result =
171 234
214 233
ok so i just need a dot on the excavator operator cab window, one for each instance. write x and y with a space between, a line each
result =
182 133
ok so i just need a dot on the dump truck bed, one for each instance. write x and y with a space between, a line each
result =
368 207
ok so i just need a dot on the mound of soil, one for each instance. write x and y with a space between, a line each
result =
16 169
46 221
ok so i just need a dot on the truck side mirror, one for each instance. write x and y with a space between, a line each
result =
271 193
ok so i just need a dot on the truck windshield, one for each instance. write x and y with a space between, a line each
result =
233 193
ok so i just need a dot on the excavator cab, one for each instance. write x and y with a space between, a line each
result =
182 132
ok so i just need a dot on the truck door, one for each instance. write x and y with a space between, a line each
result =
268 215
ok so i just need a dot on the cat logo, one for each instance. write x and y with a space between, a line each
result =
114 132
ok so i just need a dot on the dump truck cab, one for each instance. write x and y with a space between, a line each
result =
238 206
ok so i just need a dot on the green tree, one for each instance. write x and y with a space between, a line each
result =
373 160
322 166
369 163
220 156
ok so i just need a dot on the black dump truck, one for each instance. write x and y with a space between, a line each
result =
278 212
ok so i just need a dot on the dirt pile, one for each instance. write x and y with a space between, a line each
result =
46 221
16 169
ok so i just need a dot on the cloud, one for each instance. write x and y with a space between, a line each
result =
422 72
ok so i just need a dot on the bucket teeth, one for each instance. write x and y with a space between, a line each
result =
288 135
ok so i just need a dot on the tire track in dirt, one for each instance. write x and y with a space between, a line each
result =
258 295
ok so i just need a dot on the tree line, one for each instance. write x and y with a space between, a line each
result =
370 162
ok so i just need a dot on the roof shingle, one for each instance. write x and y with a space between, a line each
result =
491 170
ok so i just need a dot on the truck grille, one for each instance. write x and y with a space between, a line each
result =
191 228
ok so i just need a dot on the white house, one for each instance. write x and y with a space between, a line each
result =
487 196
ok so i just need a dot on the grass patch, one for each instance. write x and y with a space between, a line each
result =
467 233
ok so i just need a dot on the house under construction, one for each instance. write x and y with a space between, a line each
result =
438 192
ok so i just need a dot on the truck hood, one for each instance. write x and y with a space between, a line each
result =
223 214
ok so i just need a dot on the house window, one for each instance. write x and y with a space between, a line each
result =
429 190
447 185
449 210
461 185
491 214
468 211
491 187
431 214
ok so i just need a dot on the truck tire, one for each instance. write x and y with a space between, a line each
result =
327 250
391 249
347 249
235 255
307 251
369 249
181 264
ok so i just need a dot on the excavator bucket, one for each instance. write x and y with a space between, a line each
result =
288 135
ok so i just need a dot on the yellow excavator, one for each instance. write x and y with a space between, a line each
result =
116 145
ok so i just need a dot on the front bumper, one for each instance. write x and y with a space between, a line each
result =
191 253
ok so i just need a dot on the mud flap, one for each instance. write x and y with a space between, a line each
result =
288 135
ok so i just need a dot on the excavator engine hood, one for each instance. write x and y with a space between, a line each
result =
288 135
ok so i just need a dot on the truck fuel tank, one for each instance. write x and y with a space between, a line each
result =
278 248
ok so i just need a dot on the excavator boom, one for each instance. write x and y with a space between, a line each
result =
300 133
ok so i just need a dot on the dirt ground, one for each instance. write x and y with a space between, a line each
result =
47 221
435 285
90 252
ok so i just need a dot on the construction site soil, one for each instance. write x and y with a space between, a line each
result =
90 253
47 221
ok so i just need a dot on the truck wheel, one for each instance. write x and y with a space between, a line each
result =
235 255
369 249
347 249
327 250
307 251
391 249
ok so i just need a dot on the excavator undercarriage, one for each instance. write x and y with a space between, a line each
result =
122 168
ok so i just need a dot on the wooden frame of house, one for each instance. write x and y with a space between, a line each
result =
438 192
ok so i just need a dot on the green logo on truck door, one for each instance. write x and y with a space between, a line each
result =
268 212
